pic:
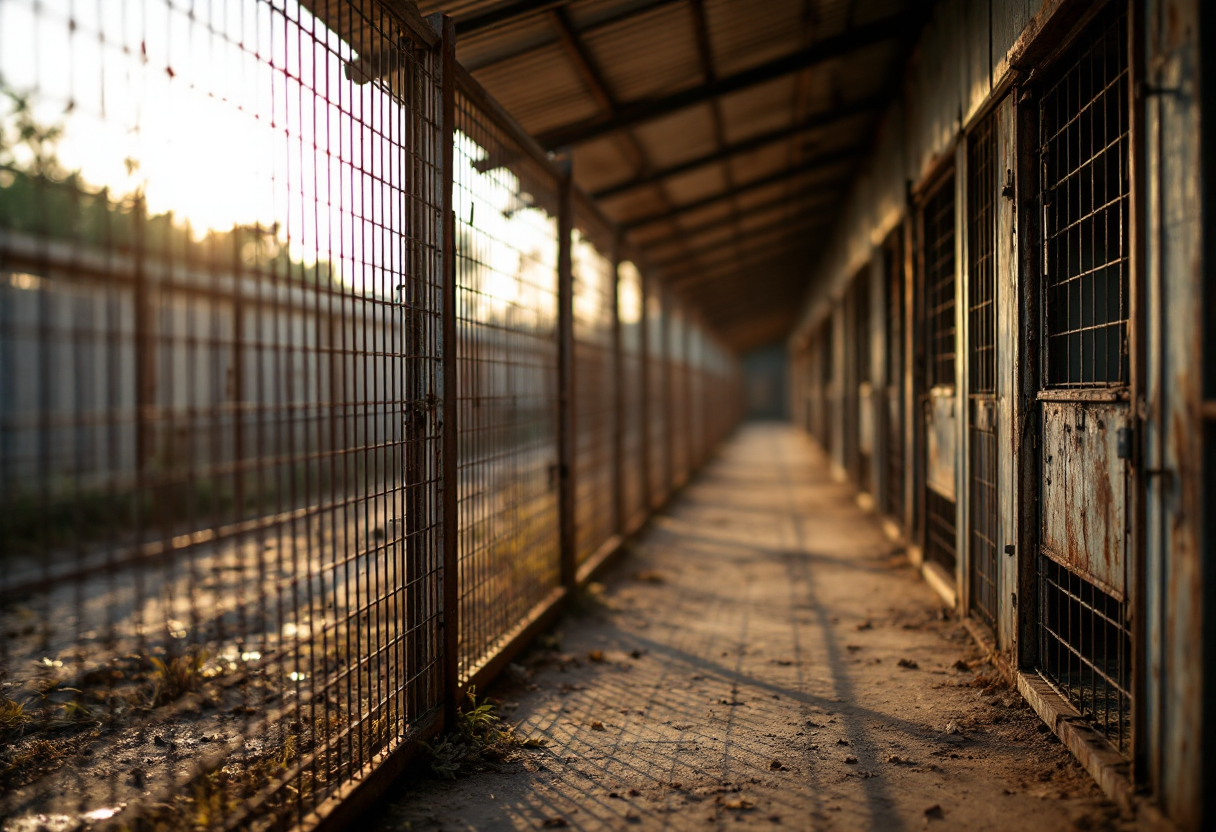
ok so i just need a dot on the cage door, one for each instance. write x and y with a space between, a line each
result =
1085 418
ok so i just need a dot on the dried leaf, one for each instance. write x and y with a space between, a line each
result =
740 805
555 823
866 625
909 663
777 765
596 655
649 576
598 726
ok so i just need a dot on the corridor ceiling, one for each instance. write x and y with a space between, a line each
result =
723 135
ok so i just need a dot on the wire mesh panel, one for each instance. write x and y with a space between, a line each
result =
937 253
594 379
219 422
1085 641
861 375
658 436
629 304
678 393
1084 127
893 263
696 396
1085 649
981 368
505 204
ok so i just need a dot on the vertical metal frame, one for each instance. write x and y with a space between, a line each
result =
1010 407
450 427
565 380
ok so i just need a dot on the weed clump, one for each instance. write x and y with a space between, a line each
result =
479 736
175 676
13 716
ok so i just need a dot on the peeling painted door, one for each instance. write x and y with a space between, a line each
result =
1085 417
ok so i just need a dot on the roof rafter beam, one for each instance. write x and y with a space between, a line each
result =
825 50
748 238
593 79
607 20
729 268
819 120
818 163
687 235
505 14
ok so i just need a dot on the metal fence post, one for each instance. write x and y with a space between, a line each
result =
567 549
451 485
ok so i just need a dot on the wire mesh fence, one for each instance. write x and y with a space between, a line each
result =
632 415
505 203
658 382
220 467
594 289
224 501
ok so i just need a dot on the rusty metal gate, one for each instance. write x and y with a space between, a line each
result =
893 410
937 283
982 531
1084 402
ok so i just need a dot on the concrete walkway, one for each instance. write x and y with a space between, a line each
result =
765 657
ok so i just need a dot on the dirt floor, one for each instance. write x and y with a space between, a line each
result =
764 656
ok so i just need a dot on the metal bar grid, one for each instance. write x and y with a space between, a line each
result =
222 454
678 394
594 379
937 251
940 527
1085 649
981 368
861 373
506 204
658 435
696 397
893 262
1084 123
633 421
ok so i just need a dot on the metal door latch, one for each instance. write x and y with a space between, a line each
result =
1123 443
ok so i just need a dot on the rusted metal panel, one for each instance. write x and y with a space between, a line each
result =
1084 491
941 434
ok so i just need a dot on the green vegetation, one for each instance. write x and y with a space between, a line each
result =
479 736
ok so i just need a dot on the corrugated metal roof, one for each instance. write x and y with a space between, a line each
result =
641 53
